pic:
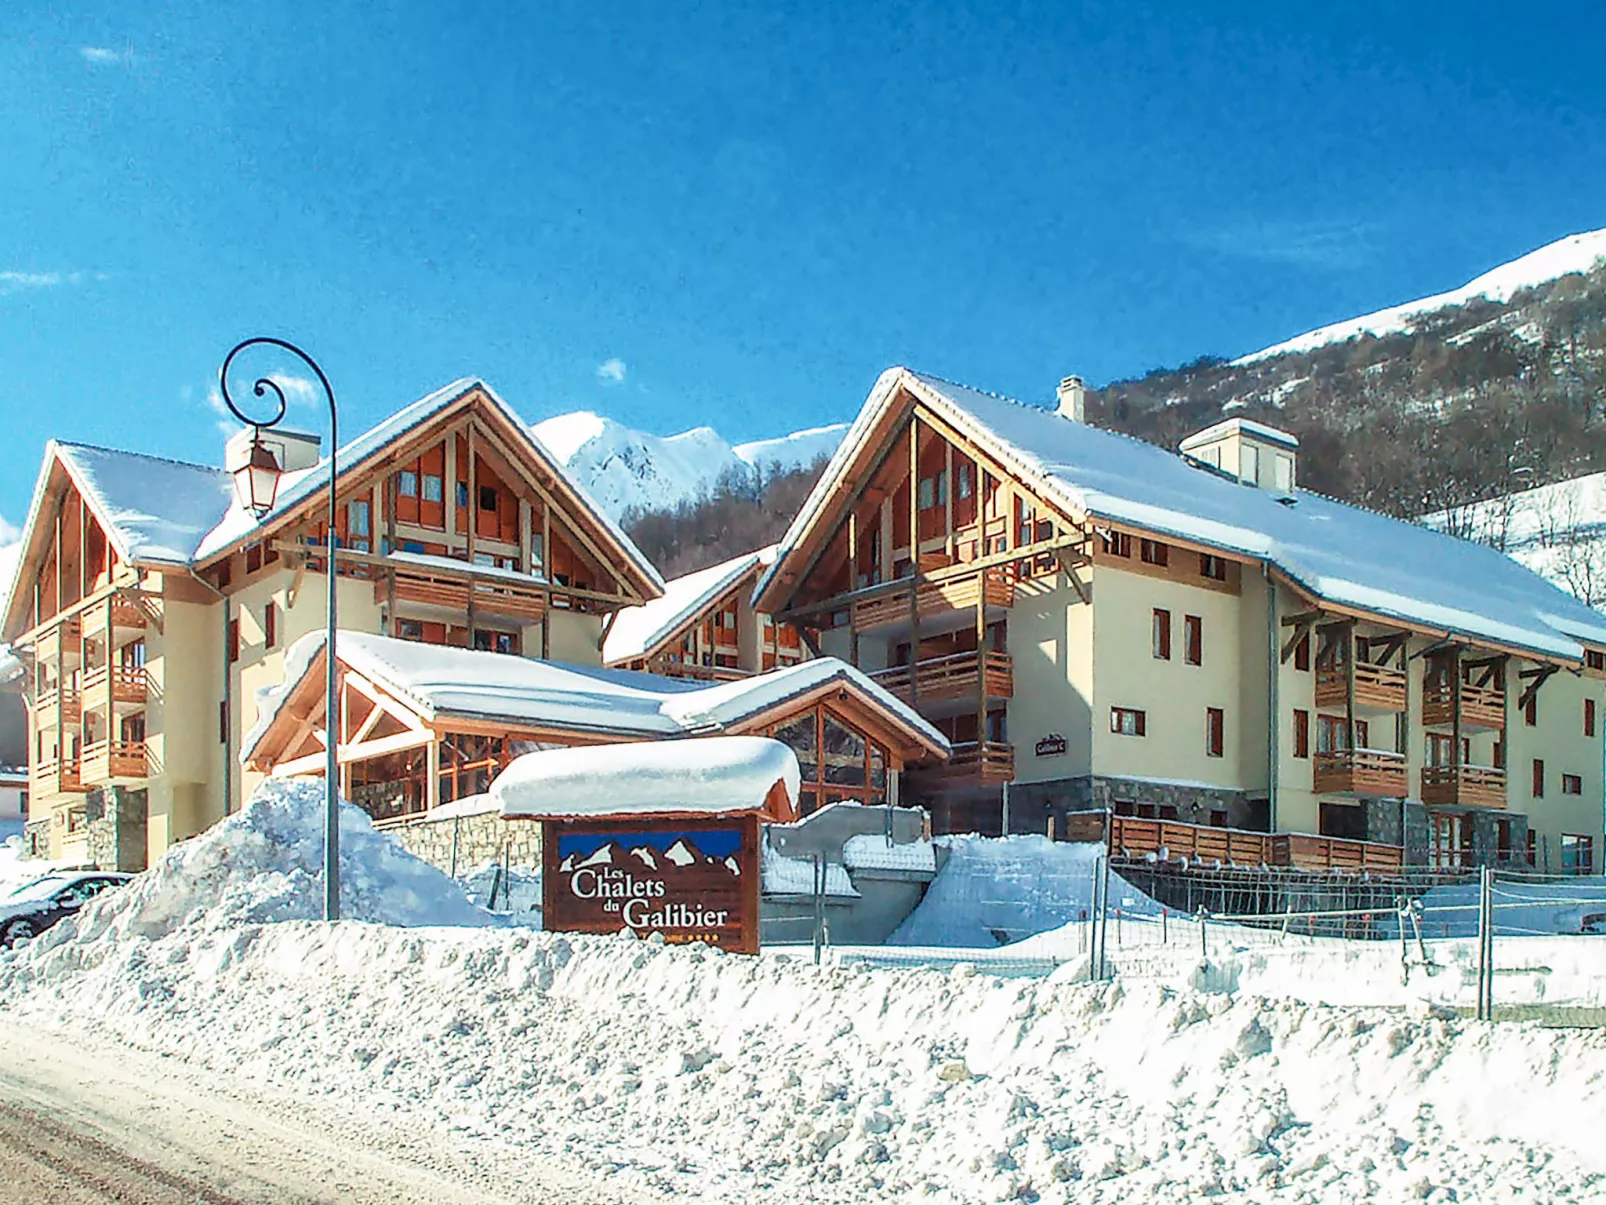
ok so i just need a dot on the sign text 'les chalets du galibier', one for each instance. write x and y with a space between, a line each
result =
690 880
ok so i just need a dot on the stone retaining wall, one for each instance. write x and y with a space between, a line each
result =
458 845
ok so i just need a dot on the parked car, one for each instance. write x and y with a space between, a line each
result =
34 907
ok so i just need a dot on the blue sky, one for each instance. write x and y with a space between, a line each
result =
739 215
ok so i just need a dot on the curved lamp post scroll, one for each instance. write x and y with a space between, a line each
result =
256 485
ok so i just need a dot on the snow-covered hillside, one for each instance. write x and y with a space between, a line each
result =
1576 253
624 468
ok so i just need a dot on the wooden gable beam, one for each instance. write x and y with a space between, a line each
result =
1537 678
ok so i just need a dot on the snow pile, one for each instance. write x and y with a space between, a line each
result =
264 864
683 1072
995 890
517 891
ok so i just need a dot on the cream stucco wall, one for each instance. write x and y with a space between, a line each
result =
576 638
1174 695
1051 644
1559 740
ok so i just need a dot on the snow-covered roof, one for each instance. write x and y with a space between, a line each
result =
1238 426
718 775
155 511
639 631
438 681
1337 553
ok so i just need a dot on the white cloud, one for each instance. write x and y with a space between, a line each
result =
612 371
298 391
10 554
105 56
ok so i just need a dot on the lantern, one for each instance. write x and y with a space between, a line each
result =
256 481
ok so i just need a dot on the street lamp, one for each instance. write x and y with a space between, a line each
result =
256 484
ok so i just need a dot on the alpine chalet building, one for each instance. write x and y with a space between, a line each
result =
1226 666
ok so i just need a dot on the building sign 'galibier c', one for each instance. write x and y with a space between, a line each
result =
689 879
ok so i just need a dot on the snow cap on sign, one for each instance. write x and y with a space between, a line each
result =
713 776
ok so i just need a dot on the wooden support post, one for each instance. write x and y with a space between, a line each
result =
546 626
948 500
1349 687
1455 722
546 545
432 774
450 500
473 507
390 600
914 559
981 658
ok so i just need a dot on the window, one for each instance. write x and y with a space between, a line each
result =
1285 472
1193 640
966 485
1539 778
1572 784
1499 755
223 723
1154 552
1302 653
1301 733
1124 721
490 641
1589 717
1332 734
1161 634
1530 712
270 624
1212 567
432 487
1533 848
462 494
253 558
1502 840
1117 543
407 483
1249 462
1218 818
1595 659
928 493
357 518
234 641
1215 731
488 498
1577 853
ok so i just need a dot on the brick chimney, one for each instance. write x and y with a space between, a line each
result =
1072 400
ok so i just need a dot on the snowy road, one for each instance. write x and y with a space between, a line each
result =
95 1123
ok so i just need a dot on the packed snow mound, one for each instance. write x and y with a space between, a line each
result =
993 890
264 864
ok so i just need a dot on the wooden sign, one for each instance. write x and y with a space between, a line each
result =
690 880
1052 745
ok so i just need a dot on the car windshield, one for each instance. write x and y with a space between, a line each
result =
39 889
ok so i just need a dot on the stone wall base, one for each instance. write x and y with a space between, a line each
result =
1033 804
458 845
116 819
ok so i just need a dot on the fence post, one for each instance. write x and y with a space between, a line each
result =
1104 919
819 905
456 820
1485 941
1204 946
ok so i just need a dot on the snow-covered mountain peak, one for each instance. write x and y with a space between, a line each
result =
1575 253
623 468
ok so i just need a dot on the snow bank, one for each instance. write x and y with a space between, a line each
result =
687 1073
994 890
264 864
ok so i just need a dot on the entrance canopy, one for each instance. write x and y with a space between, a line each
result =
718 776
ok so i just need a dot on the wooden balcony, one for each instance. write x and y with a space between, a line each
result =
1464 786
127 614
61 704
126 683
1173 841
950 678
703 673
1377 687
60 642
1481 706
104 761
55 778
935 600
1360 772
987 763
493 592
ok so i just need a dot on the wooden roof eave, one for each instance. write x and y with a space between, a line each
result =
696 617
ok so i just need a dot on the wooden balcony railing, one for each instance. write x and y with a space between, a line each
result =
704 673
54 778
985 763
936 598
1307 851
60 704
1173 840
106 760
1464 786
60 641
126 613
494 592
127 683
1360 772
943 679
1378 687
1481 706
